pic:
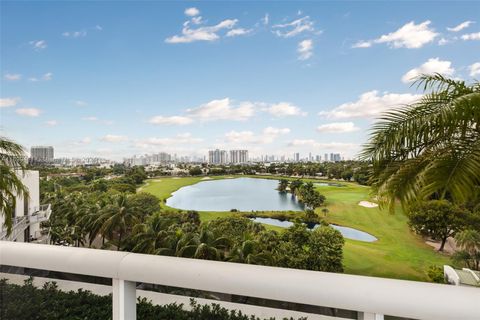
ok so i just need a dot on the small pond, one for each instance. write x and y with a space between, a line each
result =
244 194
347 232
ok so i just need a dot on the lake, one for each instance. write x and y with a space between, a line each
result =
244 194
349 233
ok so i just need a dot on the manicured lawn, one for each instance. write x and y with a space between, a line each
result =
398 253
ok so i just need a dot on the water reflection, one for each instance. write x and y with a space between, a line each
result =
244 194
349 233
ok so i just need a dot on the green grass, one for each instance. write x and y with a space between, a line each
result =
398 253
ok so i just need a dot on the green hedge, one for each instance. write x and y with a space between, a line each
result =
48 303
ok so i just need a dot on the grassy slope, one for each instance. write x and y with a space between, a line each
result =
397 254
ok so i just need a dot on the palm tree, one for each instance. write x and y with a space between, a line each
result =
429 149
203 245
154 236
12 158
117 219
325 211
248 252
282 185
469 241
295 185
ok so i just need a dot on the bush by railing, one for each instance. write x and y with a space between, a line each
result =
49 303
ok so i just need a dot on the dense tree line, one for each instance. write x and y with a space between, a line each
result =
49 303
91 180
135 222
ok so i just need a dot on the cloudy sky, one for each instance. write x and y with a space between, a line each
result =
115 79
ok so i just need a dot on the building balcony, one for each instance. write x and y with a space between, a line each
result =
366 297
19 224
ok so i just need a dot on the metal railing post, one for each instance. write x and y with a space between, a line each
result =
369 316
124 300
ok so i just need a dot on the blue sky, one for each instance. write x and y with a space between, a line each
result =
114 79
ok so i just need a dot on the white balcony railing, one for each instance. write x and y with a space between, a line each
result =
371 297
21 223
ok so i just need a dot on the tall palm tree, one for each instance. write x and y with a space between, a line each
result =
203 245
118 219
154 236
431 148
248 252
12 159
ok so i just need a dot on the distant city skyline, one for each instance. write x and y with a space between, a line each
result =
276 78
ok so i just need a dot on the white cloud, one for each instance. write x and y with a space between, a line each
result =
370 104
192 12
12 76
461 26
474 69
114 138
305 49
38 45
268 135
91 118
294 28
285 109
362 44
51 123
184 138
337 127
83 141
9 102
433 65
28 112
266 19
471 36
173 120
222 109
443 41
75 34
206 33
47 76
238 32
411 36
80 103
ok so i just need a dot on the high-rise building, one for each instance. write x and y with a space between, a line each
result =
217 156
335 157
238 156
296 157
42 154
325 157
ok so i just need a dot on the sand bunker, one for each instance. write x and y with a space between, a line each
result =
206 178
367 204
175 178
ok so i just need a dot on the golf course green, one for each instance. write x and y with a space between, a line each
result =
398 253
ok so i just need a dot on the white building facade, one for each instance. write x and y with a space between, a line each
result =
28 213
42 154
217 156
238 156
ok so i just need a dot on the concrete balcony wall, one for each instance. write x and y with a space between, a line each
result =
370 297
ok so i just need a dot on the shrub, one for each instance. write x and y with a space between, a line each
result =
48 303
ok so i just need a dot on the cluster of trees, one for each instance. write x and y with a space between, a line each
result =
305 192
441 219
134 222
93 180
49 303
427 155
